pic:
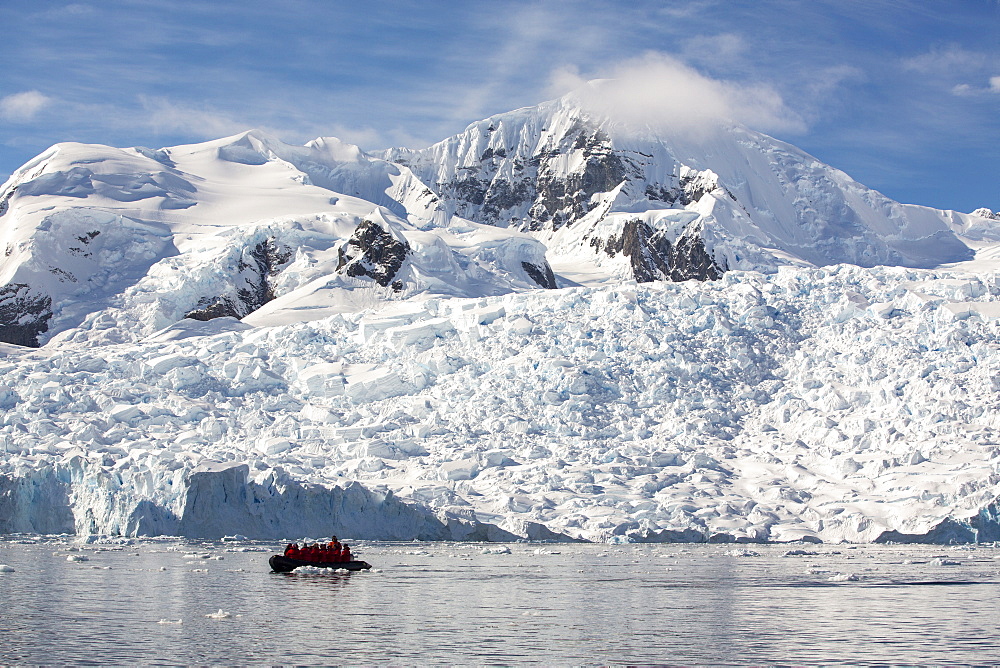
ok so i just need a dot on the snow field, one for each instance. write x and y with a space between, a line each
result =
830 404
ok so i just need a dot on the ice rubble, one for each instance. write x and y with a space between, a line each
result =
819 404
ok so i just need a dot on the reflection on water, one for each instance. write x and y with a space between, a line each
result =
452 603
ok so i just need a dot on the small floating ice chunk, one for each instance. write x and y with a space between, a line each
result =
844 577
318 570
542 550
503 549
941 561
220 614
742 552
77 557
234 538
4 568
800 553
173 621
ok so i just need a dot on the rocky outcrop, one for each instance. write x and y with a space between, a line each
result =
541 274
535 192
24 314
373 252
654 257
253 285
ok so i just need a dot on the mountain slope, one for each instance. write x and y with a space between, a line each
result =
739 198
116 243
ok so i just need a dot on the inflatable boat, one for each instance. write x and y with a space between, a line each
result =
282 564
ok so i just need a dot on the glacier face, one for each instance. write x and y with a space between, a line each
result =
493 338
831 404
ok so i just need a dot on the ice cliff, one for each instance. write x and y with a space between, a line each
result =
824 404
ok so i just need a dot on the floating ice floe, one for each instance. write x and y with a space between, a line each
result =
844 577
219 614
317 570
502 549
77 557
174 621
942 561
4 568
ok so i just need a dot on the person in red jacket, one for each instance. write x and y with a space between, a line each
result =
345 553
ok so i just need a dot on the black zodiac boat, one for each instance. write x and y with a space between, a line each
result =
282 564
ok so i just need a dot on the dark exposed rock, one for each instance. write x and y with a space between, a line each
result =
253 288
540 274
550 198
23 315
211 308
503 195
653 256
5 200
373 252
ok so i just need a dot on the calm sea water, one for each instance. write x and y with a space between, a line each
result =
149 603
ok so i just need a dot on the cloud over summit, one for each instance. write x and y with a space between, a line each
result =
660 91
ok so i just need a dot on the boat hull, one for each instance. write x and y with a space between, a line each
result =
283 564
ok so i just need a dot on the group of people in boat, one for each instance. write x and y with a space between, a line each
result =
320 553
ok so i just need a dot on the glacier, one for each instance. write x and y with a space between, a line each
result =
548 327
833 404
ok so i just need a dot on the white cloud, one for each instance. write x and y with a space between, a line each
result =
165 117
968 90
660 91
21 107
943 61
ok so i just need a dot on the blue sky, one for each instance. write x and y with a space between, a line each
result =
903 95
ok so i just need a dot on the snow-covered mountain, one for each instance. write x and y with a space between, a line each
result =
674 205
494 338
107 245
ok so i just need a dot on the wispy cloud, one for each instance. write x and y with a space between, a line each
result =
972 90
945 60
166 117
22 107
661 91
